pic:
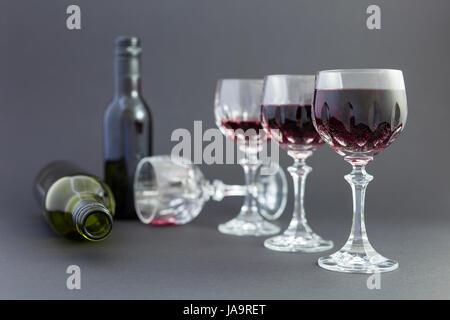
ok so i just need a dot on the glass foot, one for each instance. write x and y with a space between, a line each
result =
303 242
344 261
240 226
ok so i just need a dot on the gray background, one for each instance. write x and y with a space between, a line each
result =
56 84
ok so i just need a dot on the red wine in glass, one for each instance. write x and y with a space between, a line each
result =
291 126
244 130
359 121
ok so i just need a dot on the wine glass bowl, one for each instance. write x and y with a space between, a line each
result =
237 112
168 192
291 127
359 122
359 113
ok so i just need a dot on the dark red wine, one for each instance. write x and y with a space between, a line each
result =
244 129
359 122
291 126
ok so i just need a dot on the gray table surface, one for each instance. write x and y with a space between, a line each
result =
195 261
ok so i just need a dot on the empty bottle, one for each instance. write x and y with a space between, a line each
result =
77 205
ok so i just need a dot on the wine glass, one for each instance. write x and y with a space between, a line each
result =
237 111
286 116
172 191
359 113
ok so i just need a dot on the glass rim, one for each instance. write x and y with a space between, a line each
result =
290 76
360 79
367 70
146 219
240 79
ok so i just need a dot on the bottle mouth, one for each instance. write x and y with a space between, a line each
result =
124 41
97 225
93 220
128 47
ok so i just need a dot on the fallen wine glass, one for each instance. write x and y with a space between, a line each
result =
172 191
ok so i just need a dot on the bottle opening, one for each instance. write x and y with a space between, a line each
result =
124 41
93 220
128 47
97 225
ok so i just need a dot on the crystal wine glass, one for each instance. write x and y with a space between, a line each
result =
286 116
237 111
172 191
359 113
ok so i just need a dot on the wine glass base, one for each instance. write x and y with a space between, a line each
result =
292 243
243 227
343 261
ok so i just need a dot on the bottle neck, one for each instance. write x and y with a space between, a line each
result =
128 76
92 220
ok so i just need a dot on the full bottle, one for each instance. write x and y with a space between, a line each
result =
76 204
127 126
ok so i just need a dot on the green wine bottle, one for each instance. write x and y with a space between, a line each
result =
77 205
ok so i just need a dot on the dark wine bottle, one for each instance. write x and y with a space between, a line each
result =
77 205
127 126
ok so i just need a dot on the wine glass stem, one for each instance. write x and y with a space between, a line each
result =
299 171
218 190
234 190
358 180
250 167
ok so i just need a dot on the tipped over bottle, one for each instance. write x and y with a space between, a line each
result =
75 204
